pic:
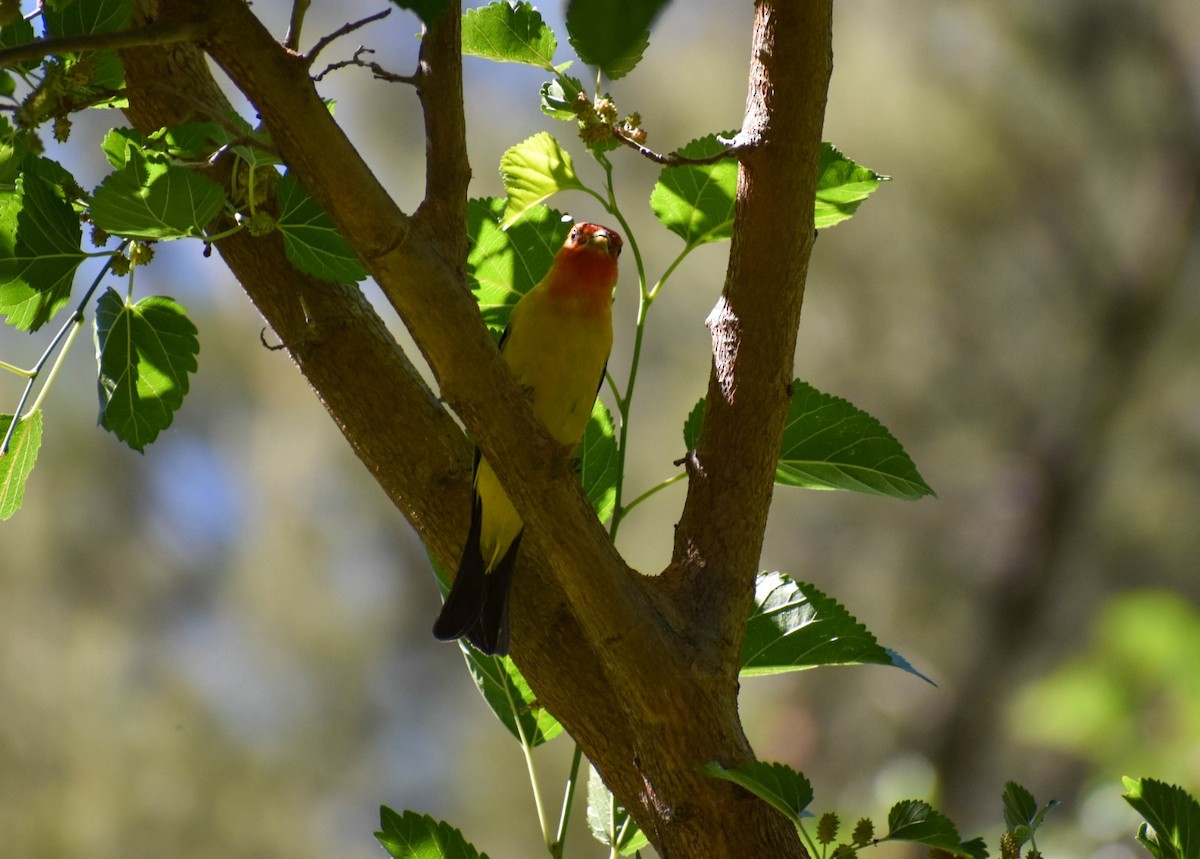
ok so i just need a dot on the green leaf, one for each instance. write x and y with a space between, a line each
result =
1019 806
419 836
842 185
508 694
503 265
509 34
39 247
118 143
612 34
610 823
86 17
145 352
794 626
692 424
1172 815
782 787
13 149
598 459
426 10
1021 815
830 444
16 465
310 240
150 198
560 96
695 201
533 170
914 820
19 32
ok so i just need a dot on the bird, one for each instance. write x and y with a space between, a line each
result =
556 345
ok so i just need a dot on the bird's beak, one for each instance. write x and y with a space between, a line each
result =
603 240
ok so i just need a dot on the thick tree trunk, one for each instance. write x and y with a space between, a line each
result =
642 671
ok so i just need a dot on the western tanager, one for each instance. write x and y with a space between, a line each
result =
556 345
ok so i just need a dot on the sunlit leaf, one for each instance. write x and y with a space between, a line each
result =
598 462
513 34
914 820
842 185
151 198
795 626
419 836
39 247
310 240
145 352
16 465
695 201
782 787
503 265
533 170
1172 815
508 694
559 97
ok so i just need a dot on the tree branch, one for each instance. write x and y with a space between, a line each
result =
754 325
152 34
345 29
733 149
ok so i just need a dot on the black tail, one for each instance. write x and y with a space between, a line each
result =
477 605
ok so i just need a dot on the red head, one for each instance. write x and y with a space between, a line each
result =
586 265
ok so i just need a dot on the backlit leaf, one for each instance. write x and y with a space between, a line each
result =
39 247
513 34
145 353
532 171
508 694
16 465
598 462
1172 815
419 836
695 201
503 265
842 185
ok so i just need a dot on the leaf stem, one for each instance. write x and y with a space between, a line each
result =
68 328
13 368
527 751
670 481
560 840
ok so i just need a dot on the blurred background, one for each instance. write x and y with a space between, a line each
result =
221 648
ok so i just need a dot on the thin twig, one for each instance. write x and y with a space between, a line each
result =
377 70
152 34
292 40
733 148
324 41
